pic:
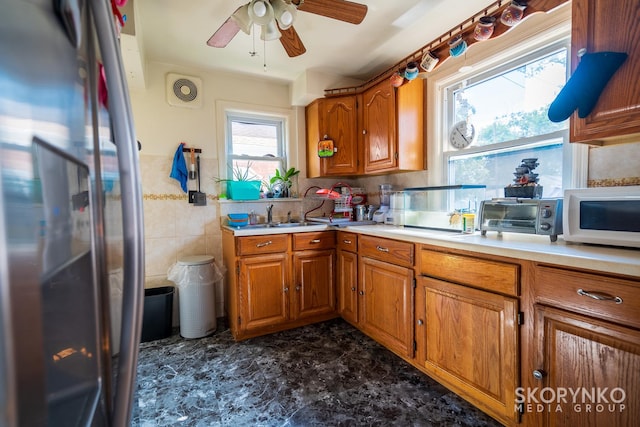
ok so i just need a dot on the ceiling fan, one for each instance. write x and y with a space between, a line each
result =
276 18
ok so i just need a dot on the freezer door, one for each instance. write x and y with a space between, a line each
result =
62 234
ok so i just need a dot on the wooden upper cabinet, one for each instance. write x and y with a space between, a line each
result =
393 127
598 26
379 128
335 119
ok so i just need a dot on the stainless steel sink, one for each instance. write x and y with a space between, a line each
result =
274 225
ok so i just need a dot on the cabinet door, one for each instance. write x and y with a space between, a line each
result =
348 286
468 339
598 360
314 283
597 27
263 293
386 304
379 128
340 123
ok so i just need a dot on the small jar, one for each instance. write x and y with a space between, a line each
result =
484 28
397 79
429 61
457 46
411 72
513 13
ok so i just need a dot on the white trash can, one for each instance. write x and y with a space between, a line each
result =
195 277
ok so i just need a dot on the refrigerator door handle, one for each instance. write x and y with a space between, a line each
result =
132 210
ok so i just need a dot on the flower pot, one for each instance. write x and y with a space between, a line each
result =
243 190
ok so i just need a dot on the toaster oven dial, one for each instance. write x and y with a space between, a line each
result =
546 213
545 226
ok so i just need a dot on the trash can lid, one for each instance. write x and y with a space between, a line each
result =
195 260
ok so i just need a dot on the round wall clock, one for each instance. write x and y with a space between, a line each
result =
462 134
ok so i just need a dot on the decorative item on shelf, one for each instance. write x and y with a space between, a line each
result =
325 148
411 72
525 184
484 28
284 184
457 46
397 79
513 13
429 61
244 184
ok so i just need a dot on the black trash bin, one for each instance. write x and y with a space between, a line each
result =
158 309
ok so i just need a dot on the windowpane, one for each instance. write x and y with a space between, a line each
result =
496 168
513 104
255 139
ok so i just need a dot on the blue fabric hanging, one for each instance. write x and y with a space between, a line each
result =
179 168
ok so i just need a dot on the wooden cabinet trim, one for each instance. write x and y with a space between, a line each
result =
263 244
494 276
559 287
393 251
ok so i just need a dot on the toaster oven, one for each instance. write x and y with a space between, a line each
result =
530 216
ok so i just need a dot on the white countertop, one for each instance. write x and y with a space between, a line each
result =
514 245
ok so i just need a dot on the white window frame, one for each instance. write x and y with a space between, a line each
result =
549 31
227 109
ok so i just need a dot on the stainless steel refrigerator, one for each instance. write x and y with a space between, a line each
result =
71 230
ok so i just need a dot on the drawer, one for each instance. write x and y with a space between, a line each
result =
267 244
571 290
314 240
392 251
493 276
347 241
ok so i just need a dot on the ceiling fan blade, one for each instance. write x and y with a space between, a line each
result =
291 42
224 34
342 10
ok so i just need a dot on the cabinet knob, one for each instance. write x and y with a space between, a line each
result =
364 131
298 288
420 322
286 289
361 292
539 374
581 52
353 288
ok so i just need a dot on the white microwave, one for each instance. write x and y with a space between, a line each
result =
602 215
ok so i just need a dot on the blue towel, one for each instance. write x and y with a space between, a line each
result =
179 169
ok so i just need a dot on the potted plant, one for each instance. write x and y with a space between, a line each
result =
243 184
285 181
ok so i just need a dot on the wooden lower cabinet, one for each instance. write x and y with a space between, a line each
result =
386 304
263 294
314 293
467 339
347 285
279 281
597 361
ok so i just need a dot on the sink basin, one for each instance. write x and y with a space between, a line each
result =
273 225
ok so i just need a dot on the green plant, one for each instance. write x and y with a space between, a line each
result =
284 178
239 173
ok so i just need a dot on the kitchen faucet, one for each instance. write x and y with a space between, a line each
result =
269 214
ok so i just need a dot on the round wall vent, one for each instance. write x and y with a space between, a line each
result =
185 90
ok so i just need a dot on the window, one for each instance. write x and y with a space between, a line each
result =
508 108
255 145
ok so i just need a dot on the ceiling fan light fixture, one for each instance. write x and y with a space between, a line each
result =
284 12
260 12
242 18
270 32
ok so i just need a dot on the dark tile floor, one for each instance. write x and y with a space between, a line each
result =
328 374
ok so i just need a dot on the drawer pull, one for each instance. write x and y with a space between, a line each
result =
600 296
420 322
381 249
346 242
315 241
262 245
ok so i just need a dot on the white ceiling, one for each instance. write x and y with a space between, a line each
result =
176 32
